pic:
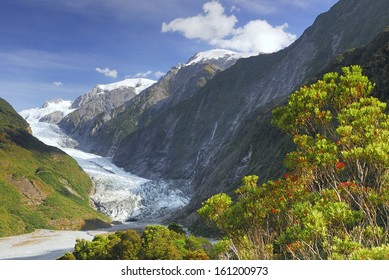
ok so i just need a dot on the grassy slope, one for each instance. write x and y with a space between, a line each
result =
40 186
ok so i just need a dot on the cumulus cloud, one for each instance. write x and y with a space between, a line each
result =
57 83
258 36
218 29
107 72
212 24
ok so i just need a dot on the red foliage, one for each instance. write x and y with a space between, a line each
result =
340 165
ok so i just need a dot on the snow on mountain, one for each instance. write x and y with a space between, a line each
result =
217 54
118 93
138 85
49 107
119 194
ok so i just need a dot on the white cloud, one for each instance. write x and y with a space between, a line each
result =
57 83
210 25
234 8
143 74
107 72
159 74
261 7
219 30
258 36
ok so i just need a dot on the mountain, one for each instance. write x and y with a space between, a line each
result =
222 130
374 59
52 111
221 58
180 83
97 106
40 186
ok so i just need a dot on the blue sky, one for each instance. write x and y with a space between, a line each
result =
62 48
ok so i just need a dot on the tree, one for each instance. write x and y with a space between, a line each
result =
176 227
156 243
91 250
334 202
126 245
68 256
160 243
341 134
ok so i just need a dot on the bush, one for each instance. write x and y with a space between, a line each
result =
334 203
156 243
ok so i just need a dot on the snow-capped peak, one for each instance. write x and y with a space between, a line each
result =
51 106
54 103
217 54
138 84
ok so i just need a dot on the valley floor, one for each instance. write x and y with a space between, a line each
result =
46 244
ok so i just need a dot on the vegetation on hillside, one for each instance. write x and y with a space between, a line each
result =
334 202
374 60
40 186
155 243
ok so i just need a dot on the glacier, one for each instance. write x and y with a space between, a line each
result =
119 194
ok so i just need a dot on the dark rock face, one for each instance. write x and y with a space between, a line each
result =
54 117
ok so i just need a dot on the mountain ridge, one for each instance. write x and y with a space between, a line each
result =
180 83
